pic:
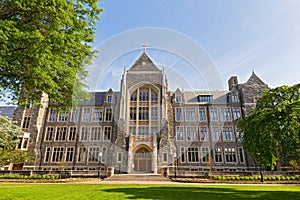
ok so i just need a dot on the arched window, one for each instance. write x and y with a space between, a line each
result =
133 96
153 96
144 94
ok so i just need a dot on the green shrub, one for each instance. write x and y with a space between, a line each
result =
238 178
283 178
278 178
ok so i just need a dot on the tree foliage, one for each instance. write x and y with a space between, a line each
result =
272 130
44 48
9 134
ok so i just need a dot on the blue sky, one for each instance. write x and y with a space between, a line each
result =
237 35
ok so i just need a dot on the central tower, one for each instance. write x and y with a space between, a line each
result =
143 113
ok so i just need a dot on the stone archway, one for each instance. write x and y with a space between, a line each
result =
142 160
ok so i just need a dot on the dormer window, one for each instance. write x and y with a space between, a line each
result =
109 98
178 98
205 98
234 98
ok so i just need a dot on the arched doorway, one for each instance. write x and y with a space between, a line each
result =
142 160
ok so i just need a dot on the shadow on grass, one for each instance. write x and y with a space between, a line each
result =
183 193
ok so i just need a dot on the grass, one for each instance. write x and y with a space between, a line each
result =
136 191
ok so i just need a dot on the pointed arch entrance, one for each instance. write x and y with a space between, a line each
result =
143 159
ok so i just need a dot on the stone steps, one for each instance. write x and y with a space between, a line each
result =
137 177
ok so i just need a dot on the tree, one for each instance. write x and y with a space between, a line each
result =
272 130
9 134
44 48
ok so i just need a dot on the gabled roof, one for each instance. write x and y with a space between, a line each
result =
254 79
7 111
144 63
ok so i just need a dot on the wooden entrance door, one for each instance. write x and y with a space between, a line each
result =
142 161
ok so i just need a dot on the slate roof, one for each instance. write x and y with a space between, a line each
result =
7 111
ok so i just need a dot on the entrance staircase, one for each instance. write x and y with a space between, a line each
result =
137 177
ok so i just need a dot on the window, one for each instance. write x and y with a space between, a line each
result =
57 154
107 133
227 134
230 155
234 98
97 114
154 130
216 134
132 113
94 154
154 113
104 153
182 154
133 96
178 98
109 98
239 136
241 154
63 116
82 153
205 98
213 114
72 133
69 154
52 116
179 133
178 114
193 154
84 135
96 133
191 134
61 133
203 134
218 155
202 115
23 143
143 113
108 114
143 130
49 133
204 154
47 154
132 130
190 114
75 115
236 113
119 157
144 94
165 157
225 114
154 97
86 114
26 121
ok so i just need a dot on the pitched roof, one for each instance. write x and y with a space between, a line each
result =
254 79
7 111
144 63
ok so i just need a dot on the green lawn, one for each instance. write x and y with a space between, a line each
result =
136 191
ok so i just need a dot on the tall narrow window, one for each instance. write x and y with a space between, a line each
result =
52 116
61 133
193 154
132 130
97 114
133 96
75 115
202 114
203 134
94 154
154 130
182 154
104 154
218 155
144 94
26 121
216 134
143 113
57 154
143 130
84 135
154 97
230 155
179 133
241 154
96 133
165 157
236 113
108 114
49 133
204 154
69 154
109 98
213 114
86 114
47 154
132 113
190 114
227 134
72 133
82 153
178 98
63 116
119 157
107 133
225 114
178 114
154 113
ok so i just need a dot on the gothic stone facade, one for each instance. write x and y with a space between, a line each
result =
143 128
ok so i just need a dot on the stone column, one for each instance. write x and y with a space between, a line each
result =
154 155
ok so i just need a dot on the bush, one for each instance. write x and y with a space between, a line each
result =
278 178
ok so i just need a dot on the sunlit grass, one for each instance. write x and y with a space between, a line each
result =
136 191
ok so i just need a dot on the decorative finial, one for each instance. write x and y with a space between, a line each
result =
145 47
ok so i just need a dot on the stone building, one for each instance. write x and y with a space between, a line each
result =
143 128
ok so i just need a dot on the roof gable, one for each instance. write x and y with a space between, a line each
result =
144 63
254 79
